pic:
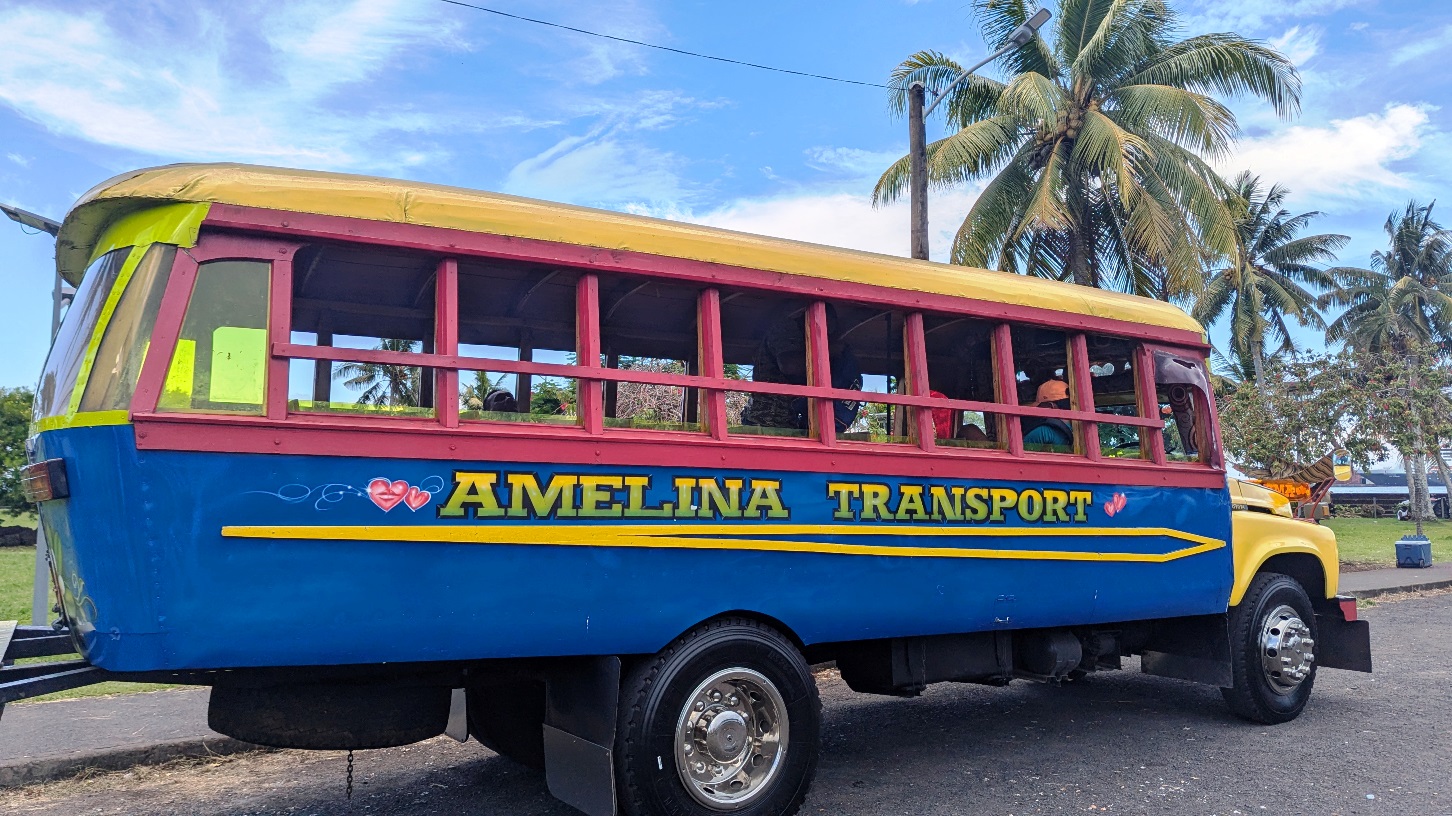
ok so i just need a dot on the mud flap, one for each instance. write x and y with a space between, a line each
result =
1342 641
581 706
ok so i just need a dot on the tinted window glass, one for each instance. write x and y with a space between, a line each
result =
58 379
123 348
220 362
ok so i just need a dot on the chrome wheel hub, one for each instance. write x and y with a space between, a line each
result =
731 738
1287 651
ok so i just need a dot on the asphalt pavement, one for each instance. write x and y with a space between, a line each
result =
1122 743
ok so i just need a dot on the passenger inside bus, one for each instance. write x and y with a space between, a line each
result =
500 401
1049 433
782 358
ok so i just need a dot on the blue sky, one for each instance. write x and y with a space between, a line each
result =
425 90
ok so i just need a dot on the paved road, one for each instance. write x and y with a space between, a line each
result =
1122 744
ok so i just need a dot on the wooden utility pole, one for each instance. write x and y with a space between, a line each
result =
918 163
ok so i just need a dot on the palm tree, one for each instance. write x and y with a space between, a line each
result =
1405 299
1398 314
384 384
1263 282
1097 149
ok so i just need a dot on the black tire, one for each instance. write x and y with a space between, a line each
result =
509 720
1253 696
656 692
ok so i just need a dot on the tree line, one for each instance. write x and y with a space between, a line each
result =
1097 156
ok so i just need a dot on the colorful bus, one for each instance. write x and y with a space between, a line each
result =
379 460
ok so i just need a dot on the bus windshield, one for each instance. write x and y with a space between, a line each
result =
68 352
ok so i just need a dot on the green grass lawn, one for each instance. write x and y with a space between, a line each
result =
1371 542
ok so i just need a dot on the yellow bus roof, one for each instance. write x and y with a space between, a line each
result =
434 205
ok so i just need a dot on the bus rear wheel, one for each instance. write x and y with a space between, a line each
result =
723 720
1272 650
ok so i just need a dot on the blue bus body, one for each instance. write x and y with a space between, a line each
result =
150 580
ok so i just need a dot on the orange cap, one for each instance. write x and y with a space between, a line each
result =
1052 391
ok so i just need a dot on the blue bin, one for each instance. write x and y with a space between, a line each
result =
1414 551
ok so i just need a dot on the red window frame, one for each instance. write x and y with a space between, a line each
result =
445 362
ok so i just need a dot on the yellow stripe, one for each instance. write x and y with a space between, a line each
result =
85 419
113 297
176 224
702 537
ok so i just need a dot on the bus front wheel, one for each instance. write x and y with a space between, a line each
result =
1272 650
725 719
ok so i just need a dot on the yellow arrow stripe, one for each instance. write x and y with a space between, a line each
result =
732 537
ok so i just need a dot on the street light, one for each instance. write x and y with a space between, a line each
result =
918 130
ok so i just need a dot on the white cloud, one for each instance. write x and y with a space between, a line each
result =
835 211
603 168
1348 159
23 161
844 219
1299 44
1246 16
612 165
851 161
1437 43
255 81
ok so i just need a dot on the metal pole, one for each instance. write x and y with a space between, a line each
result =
40 584
918 162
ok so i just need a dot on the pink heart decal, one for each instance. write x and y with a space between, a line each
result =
387 494
1110 508
1120 501
416 498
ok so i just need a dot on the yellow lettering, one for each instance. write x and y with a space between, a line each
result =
844 493
910 505
1003 499
557 499
976 499
874 502
1080 499
713 501
766 500
1030 505
1054 503
635 487
685 497
944 507
597 496
474 490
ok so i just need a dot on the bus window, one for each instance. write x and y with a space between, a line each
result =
368 299
58 380
220 362
764 339
1042 357
517 312
1181 393
1113 378
960 366
867 354
113 375
649 326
